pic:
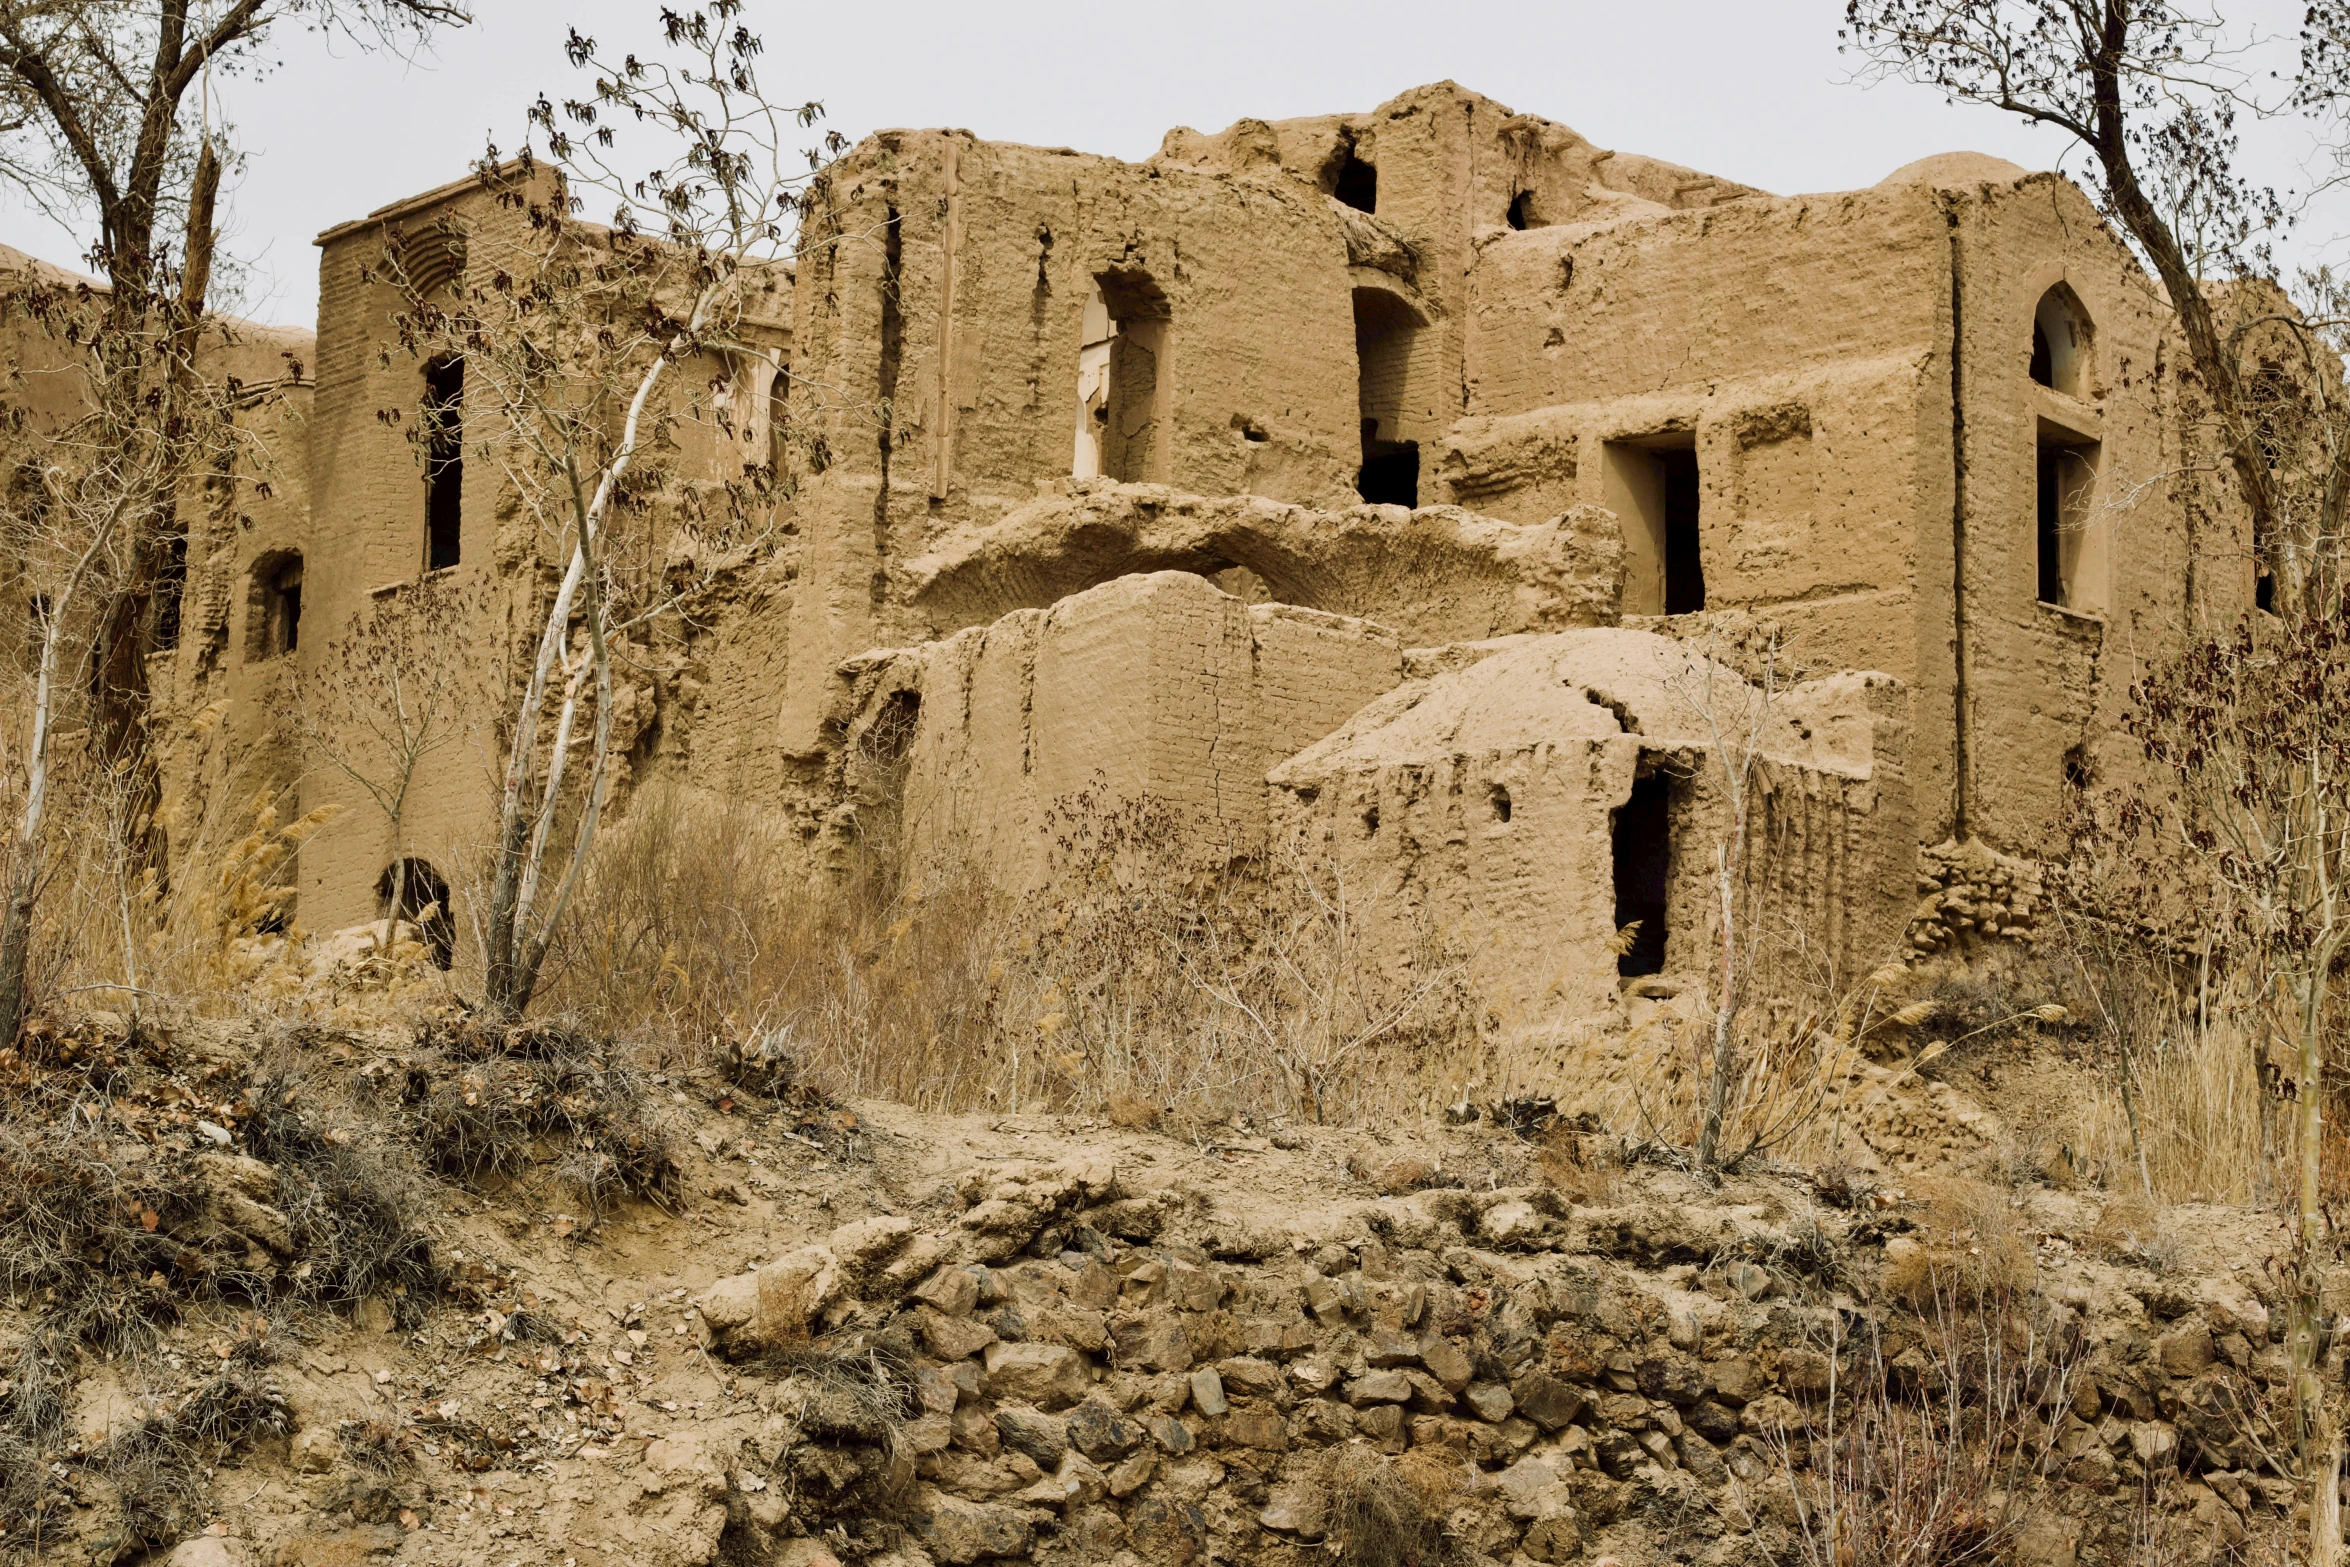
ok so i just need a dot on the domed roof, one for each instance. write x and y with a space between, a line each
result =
1945 170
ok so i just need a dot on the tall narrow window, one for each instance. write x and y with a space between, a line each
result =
444 461
2071 538
1125 393
1358 184
273 611
778 422
1642 833
1652 487
171 584
1684 563
1386 329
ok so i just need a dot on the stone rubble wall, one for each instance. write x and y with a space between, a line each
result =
1099 1376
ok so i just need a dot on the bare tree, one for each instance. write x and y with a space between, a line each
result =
1739 716
590 352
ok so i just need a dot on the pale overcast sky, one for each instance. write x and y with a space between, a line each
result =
1753 90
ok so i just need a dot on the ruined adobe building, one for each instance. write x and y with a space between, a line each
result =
1367 481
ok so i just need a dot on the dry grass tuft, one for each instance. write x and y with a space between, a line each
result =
485 1101
1377 1517
1968 1243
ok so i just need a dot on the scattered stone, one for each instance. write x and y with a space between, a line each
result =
1491 1401
1050 1376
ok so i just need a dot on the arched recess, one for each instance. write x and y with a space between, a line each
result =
273 606
1387 330
412 891
2063 338
1125 382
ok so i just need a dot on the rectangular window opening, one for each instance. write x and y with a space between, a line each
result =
444 461
2071 544
1651 484
1642 845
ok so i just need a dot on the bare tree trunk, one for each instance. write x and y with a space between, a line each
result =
515 954
1717 1093
16 925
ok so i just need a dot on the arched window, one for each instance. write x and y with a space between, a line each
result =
1125 394
273 606
2061 336
412 892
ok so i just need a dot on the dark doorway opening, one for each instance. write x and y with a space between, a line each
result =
1684 563
1642 833
1391 470
444 461
1386 332
1358 185
412 891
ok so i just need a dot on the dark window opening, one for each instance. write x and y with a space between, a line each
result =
2264 592
2070 553
2043 362
273 609
171 585
1643 861
778 424
1358 185
1371 822
285 608
444 461
1521 214
412 892
2051 525
1684 561
1501 803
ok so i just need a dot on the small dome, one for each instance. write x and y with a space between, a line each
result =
1946 169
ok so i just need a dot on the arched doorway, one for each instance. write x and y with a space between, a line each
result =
411 890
